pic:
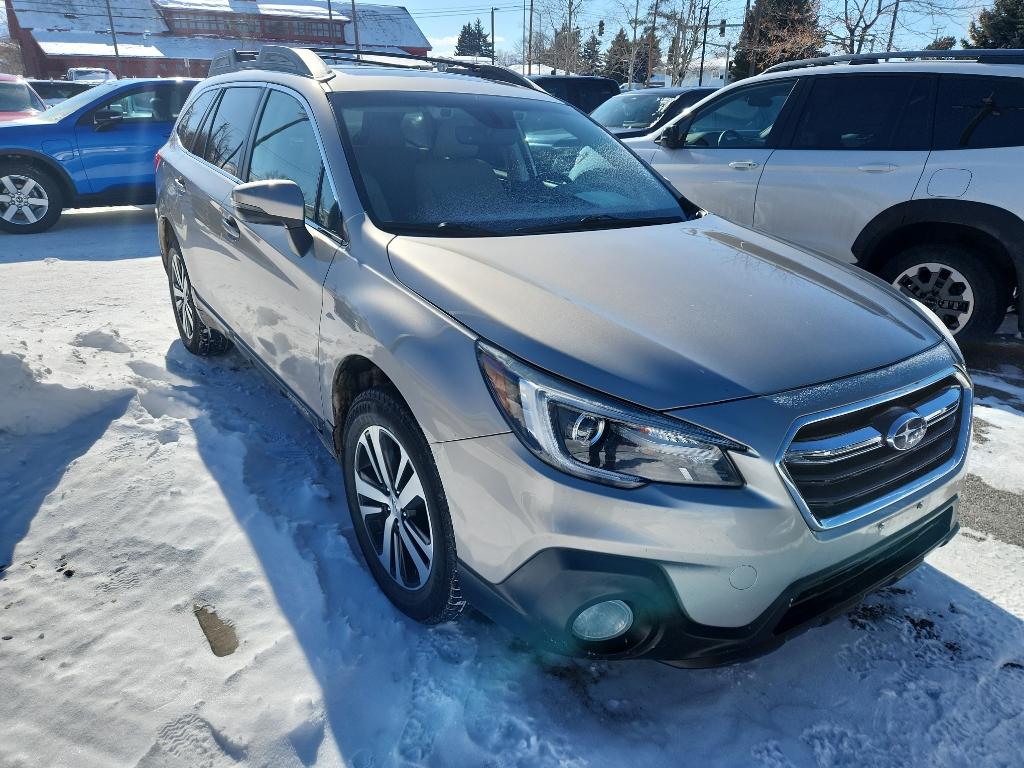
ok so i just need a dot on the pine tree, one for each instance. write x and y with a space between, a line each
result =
474 41
1001 26
786 30
616 60
646 52
484 40
466 45
591 56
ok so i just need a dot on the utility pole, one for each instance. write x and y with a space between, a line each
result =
753 41
529 42
330 26
633 51
492 33
524 35
355 28
650 42
728 55
567 42
704 43
113 36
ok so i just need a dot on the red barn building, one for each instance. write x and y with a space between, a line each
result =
165 38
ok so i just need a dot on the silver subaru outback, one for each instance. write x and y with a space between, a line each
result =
556 389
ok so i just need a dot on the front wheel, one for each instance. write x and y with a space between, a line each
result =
399 509
198 338
955 284
31 199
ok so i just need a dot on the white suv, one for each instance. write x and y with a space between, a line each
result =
908 169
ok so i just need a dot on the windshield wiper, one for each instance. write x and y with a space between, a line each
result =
599 221
459 228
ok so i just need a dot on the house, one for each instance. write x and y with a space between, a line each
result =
167 38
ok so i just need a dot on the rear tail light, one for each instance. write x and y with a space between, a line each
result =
156 162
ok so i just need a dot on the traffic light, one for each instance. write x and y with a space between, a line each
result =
600 28
721 29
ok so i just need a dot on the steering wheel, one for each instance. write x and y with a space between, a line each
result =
728 136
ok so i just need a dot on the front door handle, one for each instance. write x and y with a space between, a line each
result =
743 165
230 227
877 168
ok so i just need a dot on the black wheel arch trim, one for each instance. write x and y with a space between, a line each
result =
1001 225
50 165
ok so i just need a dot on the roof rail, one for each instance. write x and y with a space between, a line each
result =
278 58
980 55
313 62
486 71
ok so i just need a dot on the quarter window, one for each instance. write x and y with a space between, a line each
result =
188 126
230 128
976 112
286 148
873 112
741 120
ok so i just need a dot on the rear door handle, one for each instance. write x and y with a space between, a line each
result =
179 182
743 165
877 168
230 227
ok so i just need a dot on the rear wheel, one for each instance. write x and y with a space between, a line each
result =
955 284
399 509
31 199
198 338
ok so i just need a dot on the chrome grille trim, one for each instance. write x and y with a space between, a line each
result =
821 452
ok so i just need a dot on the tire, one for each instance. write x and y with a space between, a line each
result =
31 198
945 278
418 532
196 335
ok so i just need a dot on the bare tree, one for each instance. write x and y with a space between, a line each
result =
10 57
859 26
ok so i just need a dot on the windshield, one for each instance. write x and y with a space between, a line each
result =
16 97
633 110
471 165
76 102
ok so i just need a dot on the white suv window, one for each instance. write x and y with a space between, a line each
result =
977 112
876 112
743 119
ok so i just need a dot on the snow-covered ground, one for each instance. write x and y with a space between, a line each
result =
139 484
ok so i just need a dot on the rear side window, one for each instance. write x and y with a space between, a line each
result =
230 128
286 148
872 112
188 126
978 112
590 94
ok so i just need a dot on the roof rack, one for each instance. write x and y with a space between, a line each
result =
982 56
313 62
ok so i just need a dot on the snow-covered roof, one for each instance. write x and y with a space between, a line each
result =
152 47
380 26
88 15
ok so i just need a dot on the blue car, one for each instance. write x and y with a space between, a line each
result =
96 148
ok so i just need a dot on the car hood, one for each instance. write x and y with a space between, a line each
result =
667 316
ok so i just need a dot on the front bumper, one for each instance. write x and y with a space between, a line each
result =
540 599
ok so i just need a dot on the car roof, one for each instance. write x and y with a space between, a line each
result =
570 77
5 78
670 90
380 77
921 67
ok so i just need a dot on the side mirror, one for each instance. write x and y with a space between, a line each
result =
103 119
276 201
674 137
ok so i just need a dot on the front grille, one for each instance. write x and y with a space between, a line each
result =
843 462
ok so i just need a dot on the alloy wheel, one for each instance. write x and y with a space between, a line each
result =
181 292
944 290
393 508
22 200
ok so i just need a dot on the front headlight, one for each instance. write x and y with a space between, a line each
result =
596 438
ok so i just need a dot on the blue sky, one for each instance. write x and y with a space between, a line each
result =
441 20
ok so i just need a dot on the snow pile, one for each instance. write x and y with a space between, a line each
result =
147 484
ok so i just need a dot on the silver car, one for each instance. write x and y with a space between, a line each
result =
556 390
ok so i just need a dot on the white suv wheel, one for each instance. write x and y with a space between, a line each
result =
941 288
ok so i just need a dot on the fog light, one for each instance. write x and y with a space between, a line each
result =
603 621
